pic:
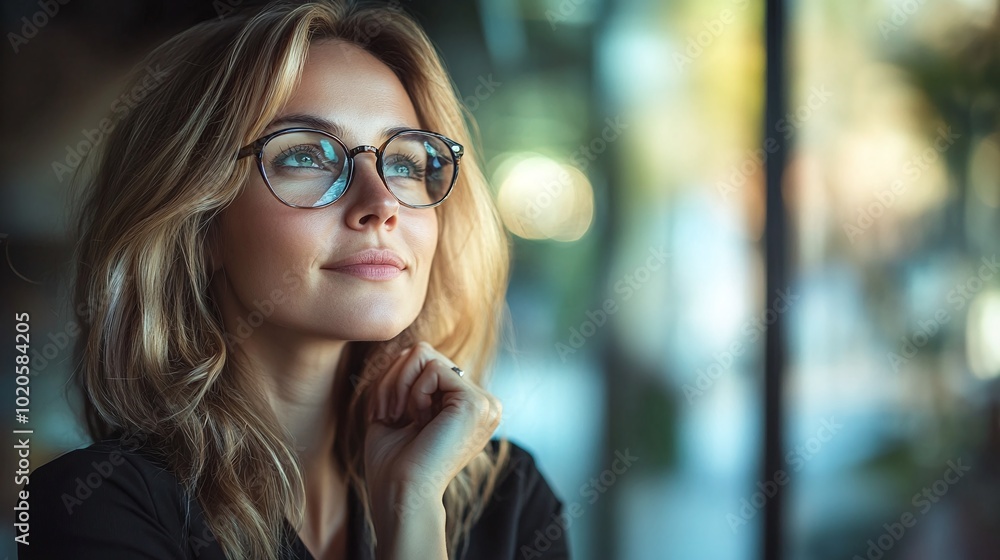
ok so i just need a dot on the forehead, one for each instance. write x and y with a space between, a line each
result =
349 86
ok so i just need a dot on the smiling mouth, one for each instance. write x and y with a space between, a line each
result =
369 271
373 263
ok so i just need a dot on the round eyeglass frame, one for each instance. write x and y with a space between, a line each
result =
256 148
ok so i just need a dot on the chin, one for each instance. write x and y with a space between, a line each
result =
372 325
376 333
377 319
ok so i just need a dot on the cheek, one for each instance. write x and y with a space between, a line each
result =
423 238
263 241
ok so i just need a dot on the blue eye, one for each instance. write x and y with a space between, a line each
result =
298 156
309 156
403 166
298 159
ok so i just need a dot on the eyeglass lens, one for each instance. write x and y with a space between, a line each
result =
311 169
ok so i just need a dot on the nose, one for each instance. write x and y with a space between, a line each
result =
370 204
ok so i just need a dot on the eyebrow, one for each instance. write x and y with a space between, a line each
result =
313 121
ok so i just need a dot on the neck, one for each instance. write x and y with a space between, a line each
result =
298 371
299 374
300 379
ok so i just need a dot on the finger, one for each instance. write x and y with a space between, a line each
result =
380 393
472 412
424 354
424 412
426 385
436 380
388 381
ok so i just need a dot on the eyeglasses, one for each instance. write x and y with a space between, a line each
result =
310 168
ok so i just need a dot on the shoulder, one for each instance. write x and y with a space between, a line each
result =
102 472
111 451
524 516
105 499
522 473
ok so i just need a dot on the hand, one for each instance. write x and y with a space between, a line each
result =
426 424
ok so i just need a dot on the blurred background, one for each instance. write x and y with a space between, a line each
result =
627 144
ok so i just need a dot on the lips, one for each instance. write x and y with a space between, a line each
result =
370 264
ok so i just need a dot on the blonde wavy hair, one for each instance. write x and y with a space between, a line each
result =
154 362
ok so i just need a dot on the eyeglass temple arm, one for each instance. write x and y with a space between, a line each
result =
248 150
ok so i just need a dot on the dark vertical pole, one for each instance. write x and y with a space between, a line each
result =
775 243
613 356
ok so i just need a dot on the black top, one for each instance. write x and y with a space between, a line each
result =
104 502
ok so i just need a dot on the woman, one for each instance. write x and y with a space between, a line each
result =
287 255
